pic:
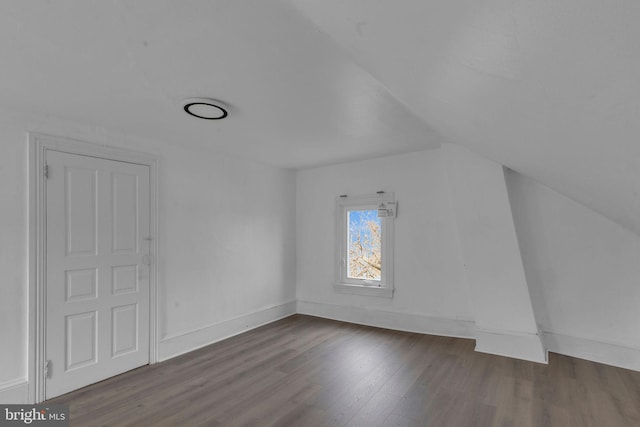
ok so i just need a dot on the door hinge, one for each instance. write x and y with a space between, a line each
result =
46 171
48 369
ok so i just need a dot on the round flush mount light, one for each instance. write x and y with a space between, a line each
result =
207 109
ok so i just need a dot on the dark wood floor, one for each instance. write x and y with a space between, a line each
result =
306 371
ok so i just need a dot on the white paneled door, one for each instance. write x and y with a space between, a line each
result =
97 272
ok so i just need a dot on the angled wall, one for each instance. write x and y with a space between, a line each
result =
504 316
584 273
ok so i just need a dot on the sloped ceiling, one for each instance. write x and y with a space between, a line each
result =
550 89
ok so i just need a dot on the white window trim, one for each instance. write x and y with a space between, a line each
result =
384 287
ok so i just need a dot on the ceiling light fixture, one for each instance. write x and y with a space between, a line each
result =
207 109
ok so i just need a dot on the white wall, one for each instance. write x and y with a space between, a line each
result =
215 211
13 260
227 243
532 259
430 292
584 272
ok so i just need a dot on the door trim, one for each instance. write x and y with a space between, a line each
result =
39 144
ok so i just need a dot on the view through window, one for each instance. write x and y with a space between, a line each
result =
364 244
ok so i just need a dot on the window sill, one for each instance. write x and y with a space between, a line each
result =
372 291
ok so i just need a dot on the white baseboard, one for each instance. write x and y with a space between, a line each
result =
175 345
511 344
14 392
409 322
595 351
523 346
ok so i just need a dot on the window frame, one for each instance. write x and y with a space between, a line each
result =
344 284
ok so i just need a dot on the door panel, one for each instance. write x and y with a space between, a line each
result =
80 336
124 278
97 286
124 329
125 191
81 213
81 285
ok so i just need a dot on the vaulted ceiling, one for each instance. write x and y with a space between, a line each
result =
550 89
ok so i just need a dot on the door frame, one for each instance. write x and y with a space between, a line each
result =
39 144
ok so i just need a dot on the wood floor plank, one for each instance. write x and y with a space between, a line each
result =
307 371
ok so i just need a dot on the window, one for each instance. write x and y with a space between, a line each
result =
365 244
